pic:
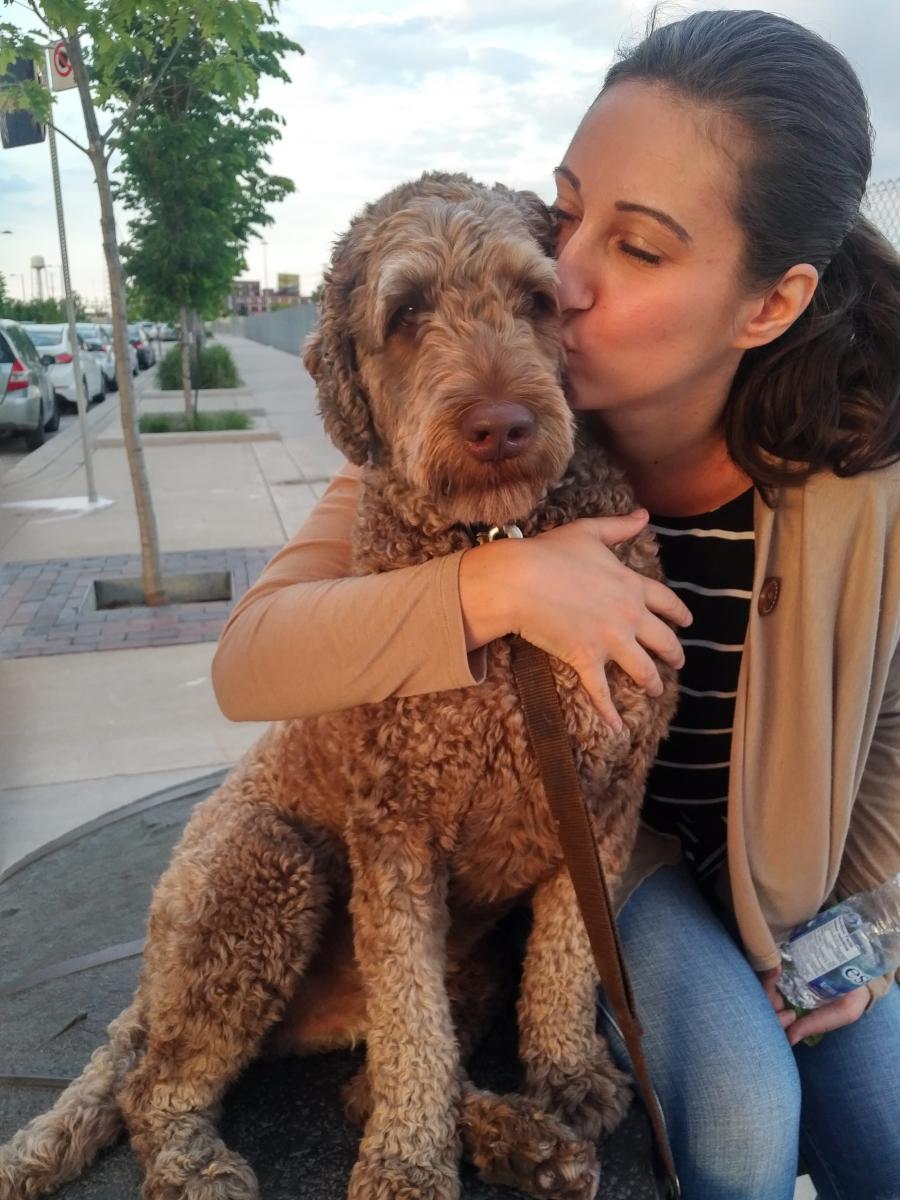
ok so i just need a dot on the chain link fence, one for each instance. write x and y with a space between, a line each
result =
881 204
284 328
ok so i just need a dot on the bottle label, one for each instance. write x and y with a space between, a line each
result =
824 949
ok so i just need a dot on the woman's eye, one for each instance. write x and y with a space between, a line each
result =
560 214
643 255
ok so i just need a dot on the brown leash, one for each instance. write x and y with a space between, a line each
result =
553 751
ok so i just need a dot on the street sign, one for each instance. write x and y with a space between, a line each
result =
19 128
61 74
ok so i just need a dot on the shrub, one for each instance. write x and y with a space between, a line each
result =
201 422
217 369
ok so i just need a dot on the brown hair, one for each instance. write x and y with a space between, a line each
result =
826 394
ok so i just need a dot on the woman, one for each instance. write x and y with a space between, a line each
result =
733 334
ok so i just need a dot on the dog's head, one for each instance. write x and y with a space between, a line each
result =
438 351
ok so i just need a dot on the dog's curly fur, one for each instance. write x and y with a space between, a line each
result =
422 818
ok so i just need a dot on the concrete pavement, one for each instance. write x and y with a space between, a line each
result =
81 734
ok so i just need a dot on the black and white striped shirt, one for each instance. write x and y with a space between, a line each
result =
708 562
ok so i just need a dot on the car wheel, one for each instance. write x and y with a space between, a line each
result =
35 438
53 424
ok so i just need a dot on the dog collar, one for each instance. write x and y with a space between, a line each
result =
479 534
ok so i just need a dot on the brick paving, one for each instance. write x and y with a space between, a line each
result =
44 606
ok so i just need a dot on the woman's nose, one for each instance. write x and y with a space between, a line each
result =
575 292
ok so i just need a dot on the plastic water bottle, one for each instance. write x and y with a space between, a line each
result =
842 948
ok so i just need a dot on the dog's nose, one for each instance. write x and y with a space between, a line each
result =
497 430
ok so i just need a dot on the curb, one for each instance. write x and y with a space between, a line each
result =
149 440
38 460
175 791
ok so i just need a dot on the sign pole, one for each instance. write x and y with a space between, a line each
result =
61 78
70 312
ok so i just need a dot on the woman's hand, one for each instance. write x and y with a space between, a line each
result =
821 1020
567 593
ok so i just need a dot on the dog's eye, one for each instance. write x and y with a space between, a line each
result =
405 316
537 303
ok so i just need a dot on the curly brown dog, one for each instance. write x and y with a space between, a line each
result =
438 365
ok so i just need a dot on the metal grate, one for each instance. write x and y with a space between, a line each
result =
881 204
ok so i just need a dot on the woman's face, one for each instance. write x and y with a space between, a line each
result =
649 256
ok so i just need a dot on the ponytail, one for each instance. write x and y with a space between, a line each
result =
826 394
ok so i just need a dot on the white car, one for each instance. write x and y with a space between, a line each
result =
106 332
100 346
52 344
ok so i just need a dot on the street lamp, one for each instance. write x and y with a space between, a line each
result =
18 275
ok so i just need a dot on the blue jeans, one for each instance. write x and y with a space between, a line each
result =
740 1103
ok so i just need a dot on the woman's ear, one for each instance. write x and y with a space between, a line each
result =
778 307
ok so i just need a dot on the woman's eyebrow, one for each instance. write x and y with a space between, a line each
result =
663 218
569 174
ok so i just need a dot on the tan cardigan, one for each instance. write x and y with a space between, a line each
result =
814 795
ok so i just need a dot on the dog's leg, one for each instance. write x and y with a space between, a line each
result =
568 1067
411 1145
509 1138
234 921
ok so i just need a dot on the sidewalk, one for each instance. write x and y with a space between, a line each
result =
98 709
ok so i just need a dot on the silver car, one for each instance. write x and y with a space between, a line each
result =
133 364
52 343
28 403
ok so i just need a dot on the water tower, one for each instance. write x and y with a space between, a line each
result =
37 267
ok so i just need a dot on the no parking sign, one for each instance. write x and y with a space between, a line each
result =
61 74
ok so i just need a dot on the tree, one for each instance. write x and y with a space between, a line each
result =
130 52
186 242
41 312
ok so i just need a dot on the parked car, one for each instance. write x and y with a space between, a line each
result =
146 355
28 403
59 357
132 353
97 342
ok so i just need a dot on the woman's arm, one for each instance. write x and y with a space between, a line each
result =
872 849
309 638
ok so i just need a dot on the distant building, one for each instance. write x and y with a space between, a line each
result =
248 297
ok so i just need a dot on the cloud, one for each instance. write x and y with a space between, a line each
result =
401 53
11 184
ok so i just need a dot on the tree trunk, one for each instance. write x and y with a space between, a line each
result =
196 352
186 365
151 569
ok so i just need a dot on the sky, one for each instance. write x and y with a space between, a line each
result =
386 91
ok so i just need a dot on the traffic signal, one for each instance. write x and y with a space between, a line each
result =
19 128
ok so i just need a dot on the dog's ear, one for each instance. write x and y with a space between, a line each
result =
538 217
330 357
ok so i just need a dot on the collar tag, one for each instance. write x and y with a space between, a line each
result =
499 531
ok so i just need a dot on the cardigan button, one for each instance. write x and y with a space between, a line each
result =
768 595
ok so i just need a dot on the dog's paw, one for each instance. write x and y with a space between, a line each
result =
181 1173
515 1143
381 1176
591 1100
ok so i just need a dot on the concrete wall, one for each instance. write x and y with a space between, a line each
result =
285 329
